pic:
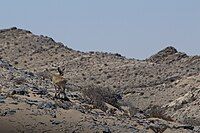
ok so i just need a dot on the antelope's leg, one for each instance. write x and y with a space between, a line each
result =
65 96
56 89
59 91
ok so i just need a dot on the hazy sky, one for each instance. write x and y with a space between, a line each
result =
134 28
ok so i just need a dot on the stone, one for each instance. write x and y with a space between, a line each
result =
47 105
106 130
19 91
32 102
2 97
39 91
7 112
2 101
55 122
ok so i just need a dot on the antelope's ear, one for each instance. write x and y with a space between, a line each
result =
60 71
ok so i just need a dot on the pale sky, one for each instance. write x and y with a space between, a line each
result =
133 28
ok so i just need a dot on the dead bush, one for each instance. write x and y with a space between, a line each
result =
191 121
20 80
159 128
155 111
98 96
132 109
44 75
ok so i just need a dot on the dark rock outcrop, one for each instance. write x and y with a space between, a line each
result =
167 55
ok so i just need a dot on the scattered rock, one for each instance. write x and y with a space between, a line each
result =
106 130
55 122
2 101
39 91
19 91
64 105
32 102
2 97
47 105
19 80
14 102
7 112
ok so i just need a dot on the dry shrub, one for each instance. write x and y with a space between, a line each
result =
44 75
132 109
191 121
155 111
98 96
20 80
158 129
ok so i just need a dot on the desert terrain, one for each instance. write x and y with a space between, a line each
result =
108 92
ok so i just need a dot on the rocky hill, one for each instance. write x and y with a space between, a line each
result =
107 92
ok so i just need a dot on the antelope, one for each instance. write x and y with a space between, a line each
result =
59 83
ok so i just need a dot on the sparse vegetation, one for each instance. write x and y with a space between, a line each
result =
98 96
155 111
158 129
191 121
19 80
132 109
